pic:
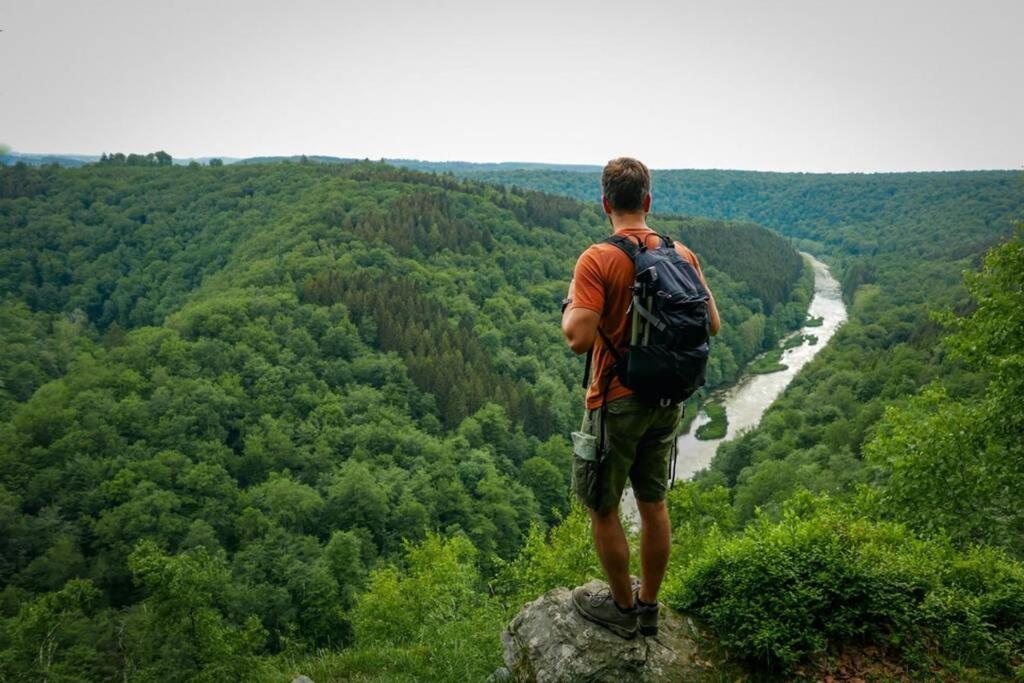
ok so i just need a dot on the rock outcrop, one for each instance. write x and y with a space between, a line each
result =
549 641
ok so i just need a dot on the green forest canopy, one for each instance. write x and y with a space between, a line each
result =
225 452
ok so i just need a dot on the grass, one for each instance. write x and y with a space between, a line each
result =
717 427
814 322
391 665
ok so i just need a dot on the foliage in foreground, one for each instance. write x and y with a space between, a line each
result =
788 592
781 595
432 618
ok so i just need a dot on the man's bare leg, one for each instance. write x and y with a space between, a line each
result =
655 545
613 551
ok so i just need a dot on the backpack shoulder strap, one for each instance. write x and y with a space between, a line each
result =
631 249
590 358
626 244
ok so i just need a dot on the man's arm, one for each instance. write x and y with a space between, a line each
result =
586 294
579 325
716 322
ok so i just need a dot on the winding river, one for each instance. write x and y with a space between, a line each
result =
746 401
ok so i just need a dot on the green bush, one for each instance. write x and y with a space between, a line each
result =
431 619
701 513
783 593
563 556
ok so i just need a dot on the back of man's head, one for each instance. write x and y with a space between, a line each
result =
625 183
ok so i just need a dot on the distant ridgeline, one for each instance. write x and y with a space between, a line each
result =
230 392
918 215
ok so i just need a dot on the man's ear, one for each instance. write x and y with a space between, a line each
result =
606 206
647 203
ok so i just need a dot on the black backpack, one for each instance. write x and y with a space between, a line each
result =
669 332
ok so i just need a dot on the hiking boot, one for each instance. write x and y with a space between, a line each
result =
647 615
600 608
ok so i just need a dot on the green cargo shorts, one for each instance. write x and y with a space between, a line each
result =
638 439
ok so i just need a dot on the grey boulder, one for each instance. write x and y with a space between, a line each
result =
549 641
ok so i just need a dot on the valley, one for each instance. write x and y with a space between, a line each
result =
267 401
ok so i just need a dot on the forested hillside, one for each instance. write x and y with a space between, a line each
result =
234 398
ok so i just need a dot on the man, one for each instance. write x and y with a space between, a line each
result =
638 435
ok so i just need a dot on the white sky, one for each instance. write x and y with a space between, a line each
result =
756 84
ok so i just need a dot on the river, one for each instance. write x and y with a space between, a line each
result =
746 401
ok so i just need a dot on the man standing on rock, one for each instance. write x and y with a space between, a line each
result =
600 315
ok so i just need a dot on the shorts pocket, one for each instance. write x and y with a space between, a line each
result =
585 468
584 481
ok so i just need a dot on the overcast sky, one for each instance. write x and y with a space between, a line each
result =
755 84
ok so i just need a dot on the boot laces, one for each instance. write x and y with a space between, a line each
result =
600 597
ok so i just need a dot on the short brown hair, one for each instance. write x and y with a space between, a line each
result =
625 183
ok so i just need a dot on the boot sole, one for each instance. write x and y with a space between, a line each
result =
648 630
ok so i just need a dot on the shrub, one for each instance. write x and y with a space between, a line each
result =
782 593
430 619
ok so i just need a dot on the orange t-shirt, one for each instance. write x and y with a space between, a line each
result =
603 283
